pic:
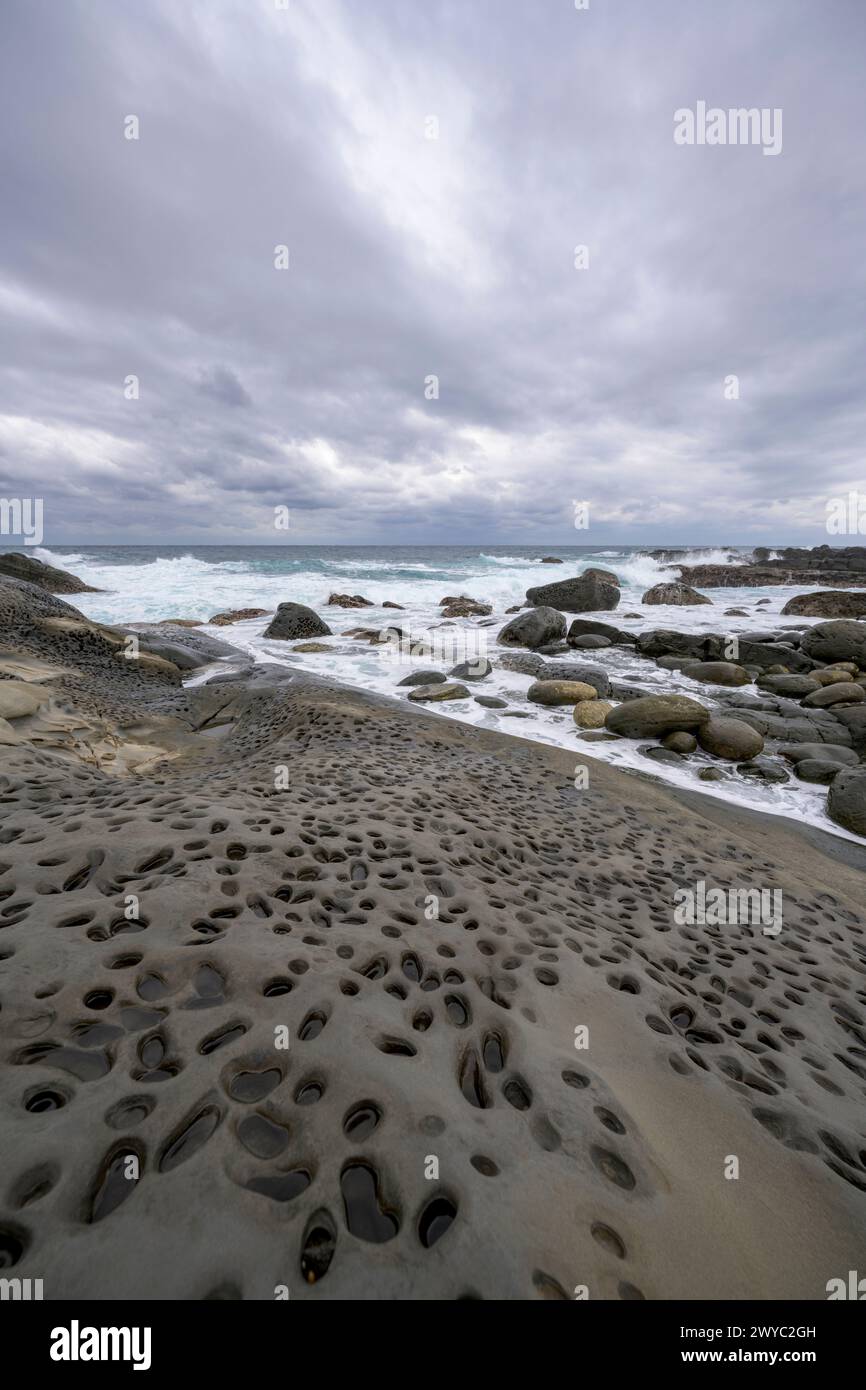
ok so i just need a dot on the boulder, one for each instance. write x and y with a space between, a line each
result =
591 627
828 603
550 560
826 752
461 606
423 678
389 604
763 770
846 802
591 714
237 615
311 648
478 669
682 594
349 601
664 641
841 640
47 577
593 591
653 716
533 627
560 692
729 738
525 663
450 690
717 673
490 701
680 742
293 621
788 685
839 693
819 770
576 671
591 641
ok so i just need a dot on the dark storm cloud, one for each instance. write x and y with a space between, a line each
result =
411 257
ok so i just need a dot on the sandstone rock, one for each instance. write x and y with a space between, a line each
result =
450 690
560 692
653 716
729 738
295 621
533 628
846 803
591 714
20 698
674 593
47 577
839 693
590 592
828 603
237 615
718 673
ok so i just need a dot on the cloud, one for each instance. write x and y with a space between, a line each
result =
412 256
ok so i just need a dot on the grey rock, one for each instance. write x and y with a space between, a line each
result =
526 663
819 770
842 640
423 678
577 671
653 716
846 802
591 592
295 621
533 627
476 670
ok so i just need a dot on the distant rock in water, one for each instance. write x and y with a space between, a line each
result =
295 621
48 577
349 601
591 592
674 593
824 564
550 560
237 615
462 606
828 603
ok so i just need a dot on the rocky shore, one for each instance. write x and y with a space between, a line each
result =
304 989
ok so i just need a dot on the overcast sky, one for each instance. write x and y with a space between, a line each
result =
409 257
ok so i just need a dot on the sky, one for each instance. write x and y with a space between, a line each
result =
437 363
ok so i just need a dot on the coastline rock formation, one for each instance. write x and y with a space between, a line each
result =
48 577
593 591
295 621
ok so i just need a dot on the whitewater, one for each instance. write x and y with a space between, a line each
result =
149 584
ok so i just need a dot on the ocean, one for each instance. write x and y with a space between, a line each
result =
150 583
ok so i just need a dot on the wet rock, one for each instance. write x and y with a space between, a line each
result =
657 753
843 640
461 606
590 627
819 770
682 594
526 663
591 714
680 742
826 752
763 770
545 692
729 738
595 676
846 803
478 669
429 694
533 628
653 716
237 615
423 678
490 701
294 621
828 603
47 577
591 641
839 693
718 673
349 601
593 591
788 685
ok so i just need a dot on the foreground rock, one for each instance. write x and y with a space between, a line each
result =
447 690
828 603
295 621
729 738
47 577
478 669
846 802
533 627
560 692
591 714
717 673
674 593
652 716
591 592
